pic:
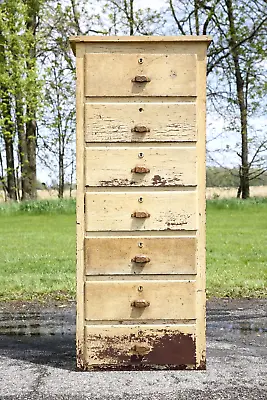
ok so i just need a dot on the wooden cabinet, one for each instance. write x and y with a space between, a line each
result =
141 202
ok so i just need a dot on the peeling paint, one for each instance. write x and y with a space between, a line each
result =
172 350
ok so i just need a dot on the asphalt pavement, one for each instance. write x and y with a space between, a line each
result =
37 358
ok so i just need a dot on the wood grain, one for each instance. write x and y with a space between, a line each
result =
113 255
118 345
111 301
109 166
108 211
111 75
113 122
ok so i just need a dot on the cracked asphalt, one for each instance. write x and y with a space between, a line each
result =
38 358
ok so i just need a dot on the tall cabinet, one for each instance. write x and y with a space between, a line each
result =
141 202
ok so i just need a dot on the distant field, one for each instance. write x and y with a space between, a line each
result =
37 249
211 193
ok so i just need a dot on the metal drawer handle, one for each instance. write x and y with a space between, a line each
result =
140 303
141 259
140 170
140 214
141 349
141 79
140 129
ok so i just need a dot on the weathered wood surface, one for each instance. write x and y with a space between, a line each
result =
169 166
111 74
108 211
113 122
114 255
125 345
112 300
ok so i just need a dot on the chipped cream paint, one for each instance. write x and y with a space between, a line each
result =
113 122
169 330
121 345
167 166
112 211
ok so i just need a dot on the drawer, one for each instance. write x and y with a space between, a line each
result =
135 345
142 300
112 75
119 255
140 166
114 211
115 122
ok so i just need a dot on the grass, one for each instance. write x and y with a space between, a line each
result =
37 249
236 248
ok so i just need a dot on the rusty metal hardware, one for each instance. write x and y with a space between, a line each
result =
140 214
140 303
140 170
141 349
140 129
141 79
141 259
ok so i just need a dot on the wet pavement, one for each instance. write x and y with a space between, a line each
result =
37 347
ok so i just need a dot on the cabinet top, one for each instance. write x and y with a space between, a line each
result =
116 39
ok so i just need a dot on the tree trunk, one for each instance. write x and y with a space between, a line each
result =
23 152
8 135
31 152
31 137
240 86
61 176
10 167
131 19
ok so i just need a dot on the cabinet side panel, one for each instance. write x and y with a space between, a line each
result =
201 212
80 202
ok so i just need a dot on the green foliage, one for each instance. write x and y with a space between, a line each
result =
55 206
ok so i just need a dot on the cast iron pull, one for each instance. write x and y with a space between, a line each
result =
141 79
140 214
140 349
140 303
140 129
141 259
140 170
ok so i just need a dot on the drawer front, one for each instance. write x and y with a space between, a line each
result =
142 300
119 255
140 166
135 345
108 211
115 122
111 75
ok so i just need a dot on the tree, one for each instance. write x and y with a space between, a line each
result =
235 66
19 90
56 149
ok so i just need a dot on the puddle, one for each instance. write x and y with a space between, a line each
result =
63 323
34 324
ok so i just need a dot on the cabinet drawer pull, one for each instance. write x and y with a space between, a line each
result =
140 303
141 79
141 259
140 170
140 214
140 129
141 349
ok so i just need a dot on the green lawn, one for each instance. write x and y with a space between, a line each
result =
237 248
37 254
37 250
